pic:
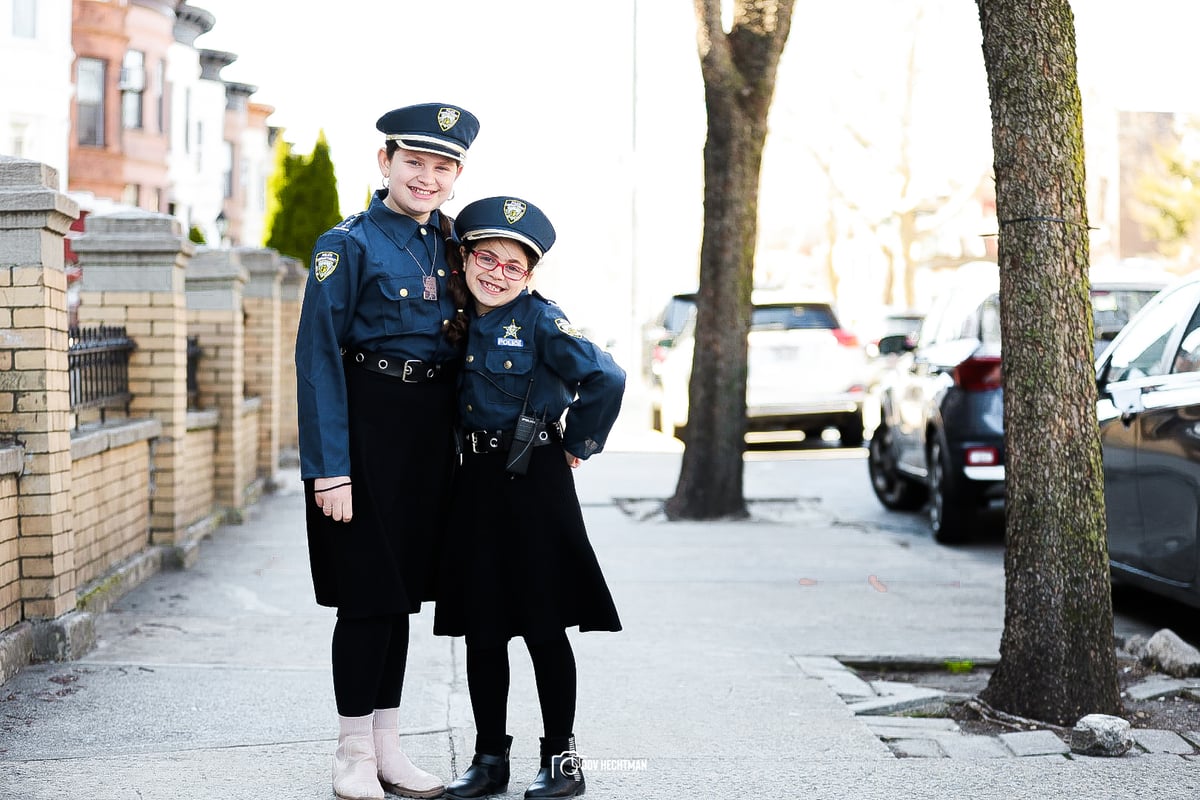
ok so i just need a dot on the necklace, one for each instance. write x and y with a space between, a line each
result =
428 282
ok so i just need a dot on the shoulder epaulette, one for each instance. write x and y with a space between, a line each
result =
542 297
349 222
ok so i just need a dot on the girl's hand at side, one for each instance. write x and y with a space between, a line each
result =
333 497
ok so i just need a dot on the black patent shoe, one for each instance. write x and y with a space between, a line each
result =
561 775
487 775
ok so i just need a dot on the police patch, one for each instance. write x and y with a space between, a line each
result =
513 210
567 328
447 118
324 263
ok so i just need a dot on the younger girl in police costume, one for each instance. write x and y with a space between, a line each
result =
518 560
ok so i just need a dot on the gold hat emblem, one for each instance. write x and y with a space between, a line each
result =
447 118
513 210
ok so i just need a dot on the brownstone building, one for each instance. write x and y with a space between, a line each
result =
121 117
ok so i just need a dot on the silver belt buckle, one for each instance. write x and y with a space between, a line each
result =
408 370
489 444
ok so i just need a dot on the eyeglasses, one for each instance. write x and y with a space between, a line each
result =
488 262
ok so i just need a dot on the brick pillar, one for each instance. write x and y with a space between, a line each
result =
262 304
215 282
35 402
291 297
133 275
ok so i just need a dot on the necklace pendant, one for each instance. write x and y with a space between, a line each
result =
430 285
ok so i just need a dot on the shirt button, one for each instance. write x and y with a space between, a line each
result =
470 407
423 231
470 359
441 273
404 292
445 322
508 365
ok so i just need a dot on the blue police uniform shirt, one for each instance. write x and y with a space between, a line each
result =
531 339
365 291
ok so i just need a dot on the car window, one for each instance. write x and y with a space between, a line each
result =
1141 352
957 321
792 317
1187 357
989 321
676 314
1113 308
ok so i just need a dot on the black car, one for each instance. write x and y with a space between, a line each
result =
1149 413
940 438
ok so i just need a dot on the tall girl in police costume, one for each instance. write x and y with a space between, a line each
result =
518 561
376 378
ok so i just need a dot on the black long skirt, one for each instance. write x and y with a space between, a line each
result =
385 560
516 559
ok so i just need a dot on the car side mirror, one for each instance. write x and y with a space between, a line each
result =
895 344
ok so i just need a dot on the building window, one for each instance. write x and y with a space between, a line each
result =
90 94
20 138
24 20
228 170
130 196
160 89
187 120
133 85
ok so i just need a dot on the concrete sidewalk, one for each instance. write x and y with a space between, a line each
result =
214 682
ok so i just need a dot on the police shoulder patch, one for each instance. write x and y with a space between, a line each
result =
567 328
324 263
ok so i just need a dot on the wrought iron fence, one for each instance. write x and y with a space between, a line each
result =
98 360
193 363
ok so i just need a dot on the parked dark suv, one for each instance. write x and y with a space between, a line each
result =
940 438
941 431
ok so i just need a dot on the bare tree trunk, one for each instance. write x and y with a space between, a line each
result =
1057 658
739 81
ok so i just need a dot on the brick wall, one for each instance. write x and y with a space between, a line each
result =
251 414
198 494
262 377
10 567
110 493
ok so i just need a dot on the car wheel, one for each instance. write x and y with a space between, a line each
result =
894 490
949 517
851 431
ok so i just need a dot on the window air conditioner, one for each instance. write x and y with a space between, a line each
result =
133 79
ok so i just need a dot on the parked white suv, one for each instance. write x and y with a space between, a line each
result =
806 373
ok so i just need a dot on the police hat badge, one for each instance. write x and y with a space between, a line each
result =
505 218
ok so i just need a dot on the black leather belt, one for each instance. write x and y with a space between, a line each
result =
412 370
480 442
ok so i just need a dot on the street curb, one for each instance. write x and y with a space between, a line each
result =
16 650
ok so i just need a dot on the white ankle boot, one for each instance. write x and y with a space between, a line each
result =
397 773
355 769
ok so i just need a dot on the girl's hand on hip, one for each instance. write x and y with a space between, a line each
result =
572 461
333 497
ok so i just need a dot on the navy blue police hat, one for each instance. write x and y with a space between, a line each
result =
506 218
431 128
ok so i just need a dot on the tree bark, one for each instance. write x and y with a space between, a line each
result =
1057 658
739 81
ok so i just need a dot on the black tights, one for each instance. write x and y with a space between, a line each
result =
369 656
487 681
